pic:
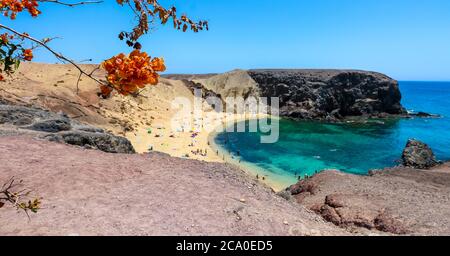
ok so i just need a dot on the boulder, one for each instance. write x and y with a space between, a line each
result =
102 141
304 186
302 189
418 155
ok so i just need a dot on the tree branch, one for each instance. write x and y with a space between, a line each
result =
57 55
70 4
9 195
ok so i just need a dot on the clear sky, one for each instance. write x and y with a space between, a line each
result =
406 39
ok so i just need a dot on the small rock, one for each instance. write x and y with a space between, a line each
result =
418 155
285 194
304 186
387 223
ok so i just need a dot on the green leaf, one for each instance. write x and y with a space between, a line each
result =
17 64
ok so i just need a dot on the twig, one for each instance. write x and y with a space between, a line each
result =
57 55
14 197
70 4
78 82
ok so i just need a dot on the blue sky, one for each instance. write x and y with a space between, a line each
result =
406 39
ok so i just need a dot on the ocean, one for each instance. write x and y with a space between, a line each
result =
307 147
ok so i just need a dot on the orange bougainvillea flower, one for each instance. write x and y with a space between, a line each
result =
4 37
158 65
28 54
10 8
105 90
127 74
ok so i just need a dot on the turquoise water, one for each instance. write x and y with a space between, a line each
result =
307 147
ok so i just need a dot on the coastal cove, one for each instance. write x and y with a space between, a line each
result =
306 147
198 119
88 159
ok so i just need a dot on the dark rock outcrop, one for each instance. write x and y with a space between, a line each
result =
330 94
51 125
303 189
424 114
59 128
418 155
22 116
101 141
420 114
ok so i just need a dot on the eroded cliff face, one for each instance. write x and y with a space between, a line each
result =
315 94
330 94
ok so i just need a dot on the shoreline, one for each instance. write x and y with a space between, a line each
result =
181 144
275 181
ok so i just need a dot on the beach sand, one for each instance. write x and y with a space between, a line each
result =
145 120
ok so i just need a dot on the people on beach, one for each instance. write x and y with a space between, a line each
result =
200 152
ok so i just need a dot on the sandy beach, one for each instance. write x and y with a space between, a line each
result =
183 144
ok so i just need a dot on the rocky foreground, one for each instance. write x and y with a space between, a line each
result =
401 200
89 192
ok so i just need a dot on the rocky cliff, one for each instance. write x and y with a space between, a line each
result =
314 94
